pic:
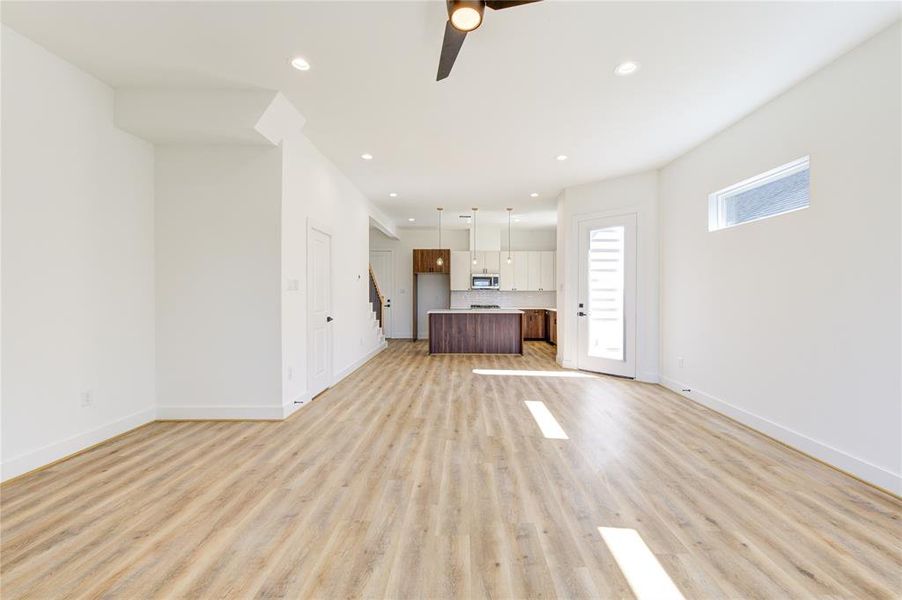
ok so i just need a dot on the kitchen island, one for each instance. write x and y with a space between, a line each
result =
476 331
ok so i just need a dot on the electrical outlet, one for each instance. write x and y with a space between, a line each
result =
87 399
681 362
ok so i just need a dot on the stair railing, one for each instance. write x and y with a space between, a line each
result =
376 297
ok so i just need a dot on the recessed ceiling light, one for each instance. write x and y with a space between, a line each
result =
366 156
411 219
534 195
626 68
300 63
561 157
393 194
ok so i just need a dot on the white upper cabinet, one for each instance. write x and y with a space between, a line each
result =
460 270
521 271
479 265
546 271
492 261
534 270
539 271
507 273
486 262
528 271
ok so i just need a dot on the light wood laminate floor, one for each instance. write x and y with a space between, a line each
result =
416 477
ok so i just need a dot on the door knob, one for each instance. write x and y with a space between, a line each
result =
328 319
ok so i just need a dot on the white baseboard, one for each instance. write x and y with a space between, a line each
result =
291 406
648 377
837 458
43 456
220 413
262 413
52 452
359 363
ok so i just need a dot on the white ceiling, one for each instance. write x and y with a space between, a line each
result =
533 82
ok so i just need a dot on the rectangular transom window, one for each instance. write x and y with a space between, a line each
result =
775 192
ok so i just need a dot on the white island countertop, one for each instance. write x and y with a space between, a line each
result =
476 311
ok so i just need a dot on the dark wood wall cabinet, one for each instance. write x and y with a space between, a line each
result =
424 261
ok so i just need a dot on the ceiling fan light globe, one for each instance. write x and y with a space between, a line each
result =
466 18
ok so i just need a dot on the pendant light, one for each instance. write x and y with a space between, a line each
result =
473 252
509 235
439 261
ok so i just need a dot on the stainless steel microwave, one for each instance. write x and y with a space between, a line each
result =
485 282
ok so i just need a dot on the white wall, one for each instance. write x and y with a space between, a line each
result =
218 211
231 284
530 239
402 252
792 324
632 194
78 265
314 189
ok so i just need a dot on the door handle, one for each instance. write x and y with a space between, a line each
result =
328 319
581 314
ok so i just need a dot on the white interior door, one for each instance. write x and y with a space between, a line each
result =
607 295
382 262
319 310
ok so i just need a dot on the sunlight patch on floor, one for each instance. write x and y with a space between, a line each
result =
551 429
522 373
646 576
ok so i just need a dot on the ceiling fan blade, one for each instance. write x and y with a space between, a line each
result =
499 4
454 39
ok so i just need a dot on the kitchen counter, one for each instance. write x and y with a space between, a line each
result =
476 331
476 311
495 310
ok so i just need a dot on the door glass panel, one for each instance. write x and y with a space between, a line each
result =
605 298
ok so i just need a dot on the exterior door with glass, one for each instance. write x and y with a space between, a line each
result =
607 295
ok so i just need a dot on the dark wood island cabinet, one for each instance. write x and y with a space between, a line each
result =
490 331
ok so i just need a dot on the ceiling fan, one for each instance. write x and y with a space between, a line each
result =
465 16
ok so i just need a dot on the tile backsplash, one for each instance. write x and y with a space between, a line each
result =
504 299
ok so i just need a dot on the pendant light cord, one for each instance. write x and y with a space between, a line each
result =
509 235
